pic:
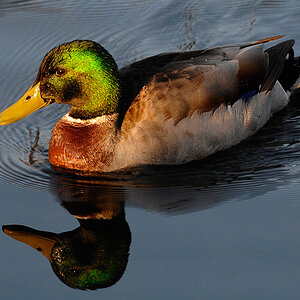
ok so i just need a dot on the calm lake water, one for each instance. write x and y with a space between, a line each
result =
227 227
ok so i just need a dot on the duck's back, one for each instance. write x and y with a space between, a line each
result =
189 105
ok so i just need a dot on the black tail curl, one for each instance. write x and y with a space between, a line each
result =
291 73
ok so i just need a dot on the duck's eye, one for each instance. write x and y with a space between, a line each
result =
60 72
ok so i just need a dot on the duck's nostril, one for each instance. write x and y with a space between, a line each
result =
28 97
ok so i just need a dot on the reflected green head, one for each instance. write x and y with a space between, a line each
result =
93 264
82 74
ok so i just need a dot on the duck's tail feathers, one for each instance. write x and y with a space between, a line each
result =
262 41
269 39
277 57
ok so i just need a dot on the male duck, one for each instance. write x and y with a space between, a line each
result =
167 109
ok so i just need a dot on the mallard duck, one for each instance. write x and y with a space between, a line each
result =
171 108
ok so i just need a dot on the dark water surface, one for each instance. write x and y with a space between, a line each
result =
227 227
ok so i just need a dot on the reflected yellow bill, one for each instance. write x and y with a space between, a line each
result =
32 238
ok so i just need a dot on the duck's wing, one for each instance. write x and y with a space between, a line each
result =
178 84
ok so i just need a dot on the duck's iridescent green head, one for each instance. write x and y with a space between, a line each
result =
80 73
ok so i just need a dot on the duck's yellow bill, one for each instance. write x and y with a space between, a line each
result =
32 238
29 103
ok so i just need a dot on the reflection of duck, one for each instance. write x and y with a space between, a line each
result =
92 256
97 202
167 109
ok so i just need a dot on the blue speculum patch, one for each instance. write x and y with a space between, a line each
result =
246 97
